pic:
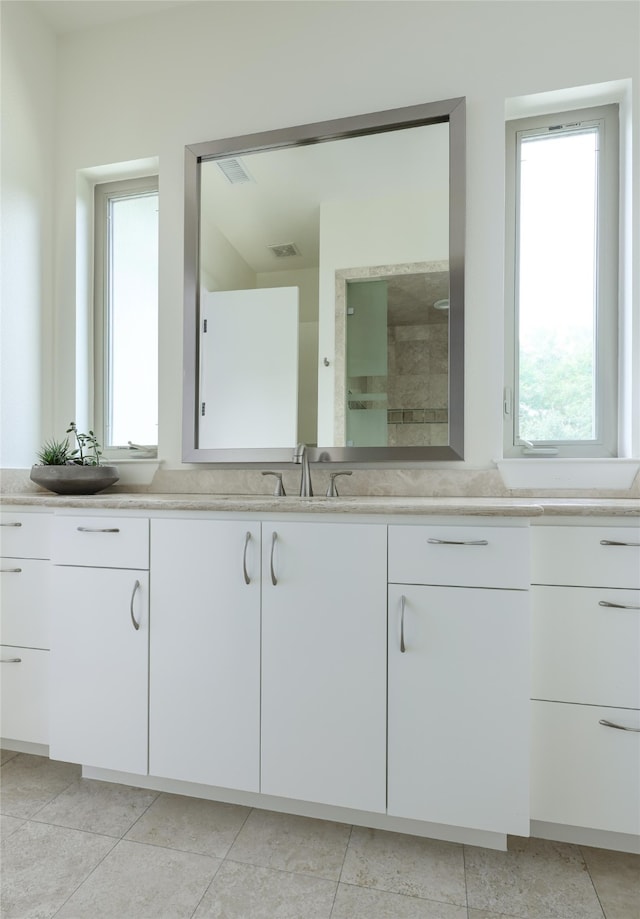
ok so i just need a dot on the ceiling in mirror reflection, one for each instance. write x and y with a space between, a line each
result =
281 201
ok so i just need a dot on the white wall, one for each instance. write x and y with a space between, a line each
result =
148 86
28 113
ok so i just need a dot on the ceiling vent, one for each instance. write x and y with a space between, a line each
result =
284 250
234 171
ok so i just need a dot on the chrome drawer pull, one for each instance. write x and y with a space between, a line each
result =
274 579
618 605
10 570
619 727
14 524
613 542
402 605
10 660
136 625
98 530
458 542
247 579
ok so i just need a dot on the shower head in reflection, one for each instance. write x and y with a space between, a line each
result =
441 304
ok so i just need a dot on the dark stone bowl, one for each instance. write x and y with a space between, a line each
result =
73 479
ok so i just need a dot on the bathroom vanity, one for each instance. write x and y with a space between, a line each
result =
455 668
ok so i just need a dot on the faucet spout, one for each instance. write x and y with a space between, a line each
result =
301 457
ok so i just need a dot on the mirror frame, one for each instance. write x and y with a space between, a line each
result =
448 110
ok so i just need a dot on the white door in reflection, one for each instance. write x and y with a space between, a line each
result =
249 368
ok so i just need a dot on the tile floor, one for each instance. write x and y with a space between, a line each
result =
78 849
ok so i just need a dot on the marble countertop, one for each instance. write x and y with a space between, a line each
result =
353 504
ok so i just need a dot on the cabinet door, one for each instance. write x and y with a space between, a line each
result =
99 667
458 707
205 652
324 663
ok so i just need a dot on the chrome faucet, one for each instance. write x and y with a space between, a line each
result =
300 456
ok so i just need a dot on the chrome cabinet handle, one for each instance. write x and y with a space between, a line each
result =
98 529
402 606
12 524
247 579
10 570
458 542
274 537
618 727
613 542
136 587
10 660
618 605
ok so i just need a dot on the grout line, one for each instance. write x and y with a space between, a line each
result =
595 889
344 858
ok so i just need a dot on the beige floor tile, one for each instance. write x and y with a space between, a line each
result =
97 807
364 903
9 825
190 824
291 843
616 878
485 914
29 782
43 865
243 891
535 879
407 865
136 881
6 755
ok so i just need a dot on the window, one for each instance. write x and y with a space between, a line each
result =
126 313
562 298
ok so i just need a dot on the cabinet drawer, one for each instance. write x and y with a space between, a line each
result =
584 651
463 556
585 774
24 678
101 542
25 535
586 556
25 600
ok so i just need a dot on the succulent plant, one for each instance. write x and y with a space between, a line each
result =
55 453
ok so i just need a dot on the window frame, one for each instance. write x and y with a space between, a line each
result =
104 193
607 298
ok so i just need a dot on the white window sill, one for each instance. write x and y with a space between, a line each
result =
550 472
133 471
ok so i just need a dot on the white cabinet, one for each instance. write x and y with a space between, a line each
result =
324 663
458 677
100 640
586 687
25 606
204 723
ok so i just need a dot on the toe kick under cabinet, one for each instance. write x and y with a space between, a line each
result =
586 678
100 641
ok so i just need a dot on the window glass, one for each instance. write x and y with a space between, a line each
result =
557 276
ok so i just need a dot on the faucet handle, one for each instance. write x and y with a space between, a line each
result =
279 491
332 491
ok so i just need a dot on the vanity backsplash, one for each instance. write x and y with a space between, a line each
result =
425 483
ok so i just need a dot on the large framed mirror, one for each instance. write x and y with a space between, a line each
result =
324 291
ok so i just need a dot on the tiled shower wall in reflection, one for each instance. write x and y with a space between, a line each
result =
418 380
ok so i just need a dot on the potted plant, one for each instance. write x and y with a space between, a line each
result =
68 470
